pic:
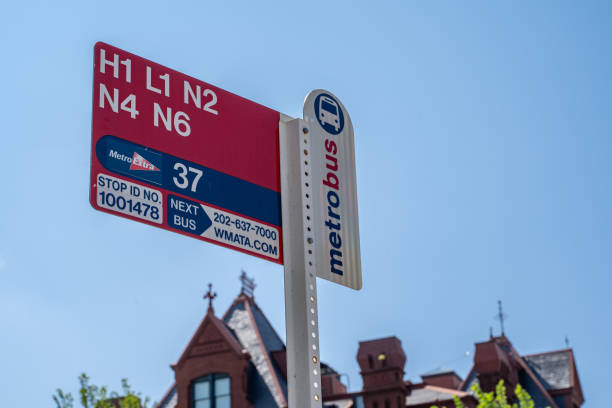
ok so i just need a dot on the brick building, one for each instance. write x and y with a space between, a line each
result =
238 360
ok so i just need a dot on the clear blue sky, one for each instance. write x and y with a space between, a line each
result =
483 144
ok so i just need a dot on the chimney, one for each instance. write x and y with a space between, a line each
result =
382 370
493 362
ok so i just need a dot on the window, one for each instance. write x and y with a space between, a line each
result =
211 391
382 357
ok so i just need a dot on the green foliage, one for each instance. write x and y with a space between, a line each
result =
92 396
496 399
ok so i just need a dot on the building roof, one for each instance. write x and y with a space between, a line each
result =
246 328
255 333
547 377
170 399
340 403
221 329
469 381
430 394
541 374
438 371
552 369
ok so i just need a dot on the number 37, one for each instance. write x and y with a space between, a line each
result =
182 181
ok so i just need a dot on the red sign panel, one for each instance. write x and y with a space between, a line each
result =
180 154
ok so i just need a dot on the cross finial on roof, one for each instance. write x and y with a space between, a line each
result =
248 285
566 342
501 316
210 295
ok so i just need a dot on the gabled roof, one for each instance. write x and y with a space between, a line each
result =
255 333
541 373
556 370
552 369
532 377
246 330
210 326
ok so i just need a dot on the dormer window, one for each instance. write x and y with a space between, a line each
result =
211 391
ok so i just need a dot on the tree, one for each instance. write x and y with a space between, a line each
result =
496 399
92 396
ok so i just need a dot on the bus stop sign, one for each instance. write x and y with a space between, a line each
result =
177 153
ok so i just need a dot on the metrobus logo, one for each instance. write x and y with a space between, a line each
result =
329 114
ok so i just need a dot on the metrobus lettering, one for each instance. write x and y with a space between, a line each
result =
333 222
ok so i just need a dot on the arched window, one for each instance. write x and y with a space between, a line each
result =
211 391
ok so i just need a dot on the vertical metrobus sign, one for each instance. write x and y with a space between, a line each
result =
335 223
180 154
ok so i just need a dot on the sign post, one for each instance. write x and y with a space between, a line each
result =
301 315
320 230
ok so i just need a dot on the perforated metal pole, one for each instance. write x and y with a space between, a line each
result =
303 359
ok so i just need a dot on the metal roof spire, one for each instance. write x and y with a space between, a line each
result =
210 295
501 316
248 285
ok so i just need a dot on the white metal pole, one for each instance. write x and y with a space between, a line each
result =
301 316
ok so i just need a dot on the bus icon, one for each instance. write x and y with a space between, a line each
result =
329 112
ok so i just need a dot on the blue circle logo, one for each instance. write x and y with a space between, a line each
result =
329 114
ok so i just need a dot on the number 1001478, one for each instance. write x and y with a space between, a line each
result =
129 198
132 207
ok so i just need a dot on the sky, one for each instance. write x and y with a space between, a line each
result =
483 143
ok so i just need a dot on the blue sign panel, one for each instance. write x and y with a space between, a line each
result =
130 160
189 179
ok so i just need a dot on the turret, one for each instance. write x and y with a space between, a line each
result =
382 370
